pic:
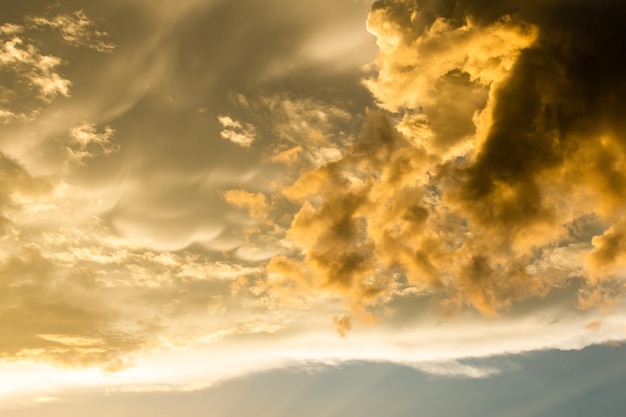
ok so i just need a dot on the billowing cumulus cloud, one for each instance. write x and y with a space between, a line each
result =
503 135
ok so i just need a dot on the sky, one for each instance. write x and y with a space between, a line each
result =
316 207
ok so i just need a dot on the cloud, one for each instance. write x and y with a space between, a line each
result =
488 182
32 77
51 318
428 61
440 348
16 185
11 29
26 62
289 156
469 186
307 129
77 29
7 116
331 228
69 299
234 131
85 137
255 203
342 324
609 249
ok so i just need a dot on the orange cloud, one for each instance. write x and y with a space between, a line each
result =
500 155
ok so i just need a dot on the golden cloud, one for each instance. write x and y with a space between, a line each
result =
500 139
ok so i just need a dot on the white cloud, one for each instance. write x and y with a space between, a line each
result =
239 134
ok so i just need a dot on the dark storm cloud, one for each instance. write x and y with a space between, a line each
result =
510 131
564 94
